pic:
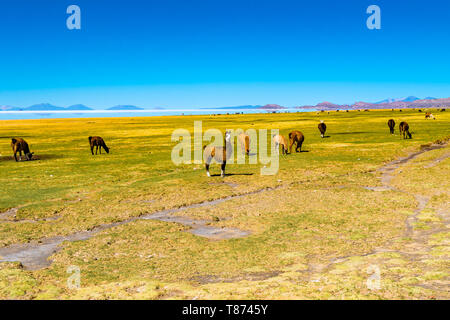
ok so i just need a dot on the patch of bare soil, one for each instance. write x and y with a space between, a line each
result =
255 276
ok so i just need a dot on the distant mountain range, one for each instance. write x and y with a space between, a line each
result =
266 107
125 108
45 107
409 102
272 107
76 107
237 107
407 99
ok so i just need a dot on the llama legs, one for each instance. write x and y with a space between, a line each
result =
222 172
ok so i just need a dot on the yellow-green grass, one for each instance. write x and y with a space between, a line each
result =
320 212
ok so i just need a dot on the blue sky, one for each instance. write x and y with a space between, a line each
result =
207 53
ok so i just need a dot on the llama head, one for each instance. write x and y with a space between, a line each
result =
409 135
29 155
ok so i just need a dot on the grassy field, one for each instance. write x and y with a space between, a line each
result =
316 230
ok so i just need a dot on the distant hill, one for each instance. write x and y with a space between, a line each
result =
9 108
362 105
407 99
125 108
78 107
43 107
327 104
272 107
385 101
238 107
410 99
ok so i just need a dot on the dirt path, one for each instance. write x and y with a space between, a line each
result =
401 264
34 256
417 254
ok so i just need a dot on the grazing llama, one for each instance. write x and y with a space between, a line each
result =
391 125
19 145
220 154
99 143
244 140
404 130
280 140
296 137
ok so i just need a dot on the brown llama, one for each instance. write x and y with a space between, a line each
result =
280 140
322 128
220 154
391 125
404 130
296 137
97 142
244 140
19 145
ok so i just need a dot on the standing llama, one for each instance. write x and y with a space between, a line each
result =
322 128
220 154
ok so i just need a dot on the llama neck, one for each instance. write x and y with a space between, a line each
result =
228 149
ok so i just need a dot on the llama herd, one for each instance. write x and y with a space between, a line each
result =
223 153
